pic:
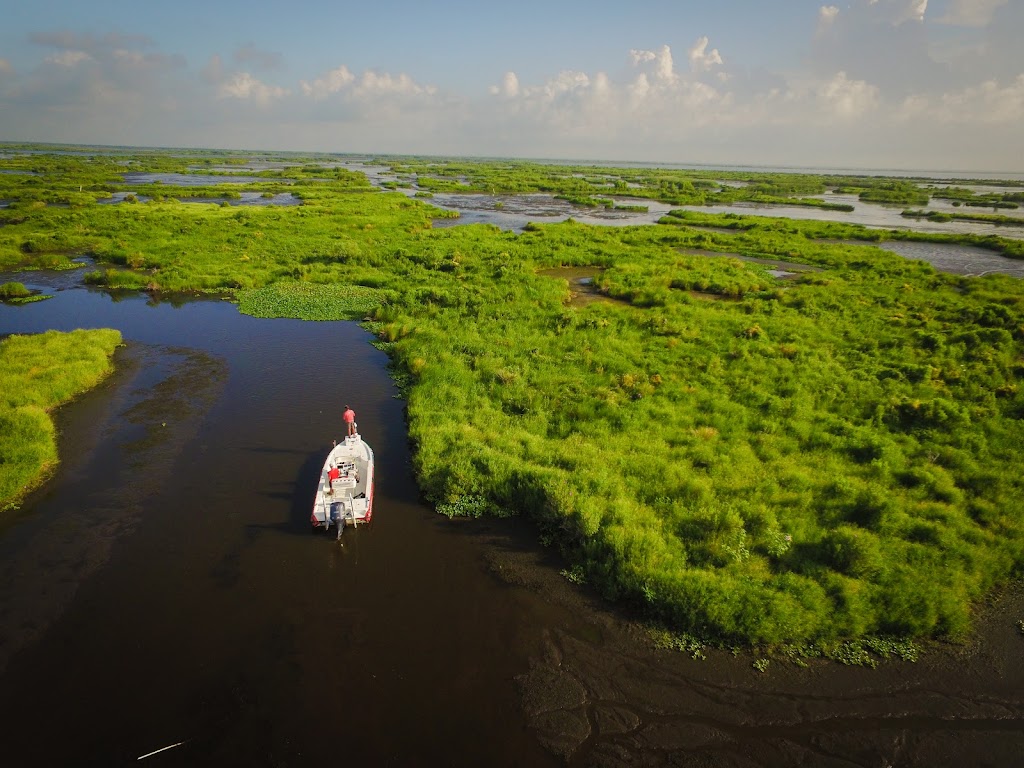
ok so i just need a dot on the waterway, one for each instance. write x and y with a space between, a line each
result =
166 587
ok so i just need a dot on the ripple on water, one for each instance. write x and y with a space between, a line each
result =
957 259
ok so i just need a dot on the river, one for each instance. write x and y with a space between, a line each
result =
165 589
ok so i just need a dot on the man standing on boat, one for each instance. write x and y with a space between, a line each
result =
349 417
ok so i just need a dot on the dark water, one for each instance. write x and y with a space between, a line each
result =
164 587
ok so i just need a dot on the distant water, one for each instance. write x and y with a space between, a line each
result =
909 173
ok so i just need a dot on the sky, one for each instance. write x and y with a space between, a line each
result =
861 84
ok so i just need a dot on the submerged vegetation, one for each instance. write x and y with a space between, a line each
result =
823 459
37 374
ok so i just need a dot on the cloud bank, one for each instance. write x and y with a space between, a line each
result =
876 89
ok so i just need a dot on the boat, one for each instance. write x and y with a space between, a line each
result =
344 495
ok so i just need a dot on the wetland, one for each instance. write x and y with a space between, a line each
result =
662 513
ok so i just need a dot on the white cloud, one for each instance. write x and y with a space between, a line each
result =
826 15
509 87
664 69
873 95
971 13
847 98
68 59
374 84
987 102
368 85
701 60
244 86
917 9
639 57
330 83
893 12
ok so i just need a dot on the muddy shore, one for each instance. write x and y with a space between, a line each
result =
599 693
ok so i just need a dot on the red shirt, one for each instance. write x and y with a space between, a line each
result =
349 416
334 474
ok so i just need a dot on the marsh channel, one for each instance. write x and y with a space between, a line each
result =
164 589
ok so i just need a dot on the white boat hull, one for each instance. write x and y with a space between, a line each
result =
348 499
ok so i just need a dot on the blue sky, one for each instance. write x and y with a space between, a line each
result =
929 84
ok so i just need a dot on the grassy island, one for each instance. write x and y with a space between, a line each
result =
37 374
831 456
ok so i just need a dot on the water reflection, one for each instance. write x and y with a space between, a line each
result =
192 179
870 215
198 587
957 259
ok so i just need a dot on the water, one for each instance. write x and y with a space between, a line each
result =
869 215
245 198
166 585
514 212
193 179
957 259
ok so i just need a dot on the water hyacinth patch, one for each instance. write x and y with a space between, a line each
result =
309 301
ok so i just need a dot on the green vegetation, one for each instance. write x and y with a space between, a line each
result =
304 301
902 192
988 218
37 374
17 293
825 460
13 291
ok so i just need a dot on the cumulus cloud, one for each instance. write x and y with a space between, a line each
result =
873 93
986 103
663 68
373 83
369 84
247 88
509 87
847 98
329 83
826 15
882 42
971 13
701 59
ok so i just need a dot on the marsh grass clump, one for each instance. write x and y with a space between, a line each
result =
17 293
39 373
13 291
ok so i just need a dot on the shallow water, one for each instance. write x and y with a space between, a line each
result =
191 179
866 214
957 259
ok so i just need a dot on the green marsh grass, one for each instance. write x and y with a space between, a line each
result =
37 374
